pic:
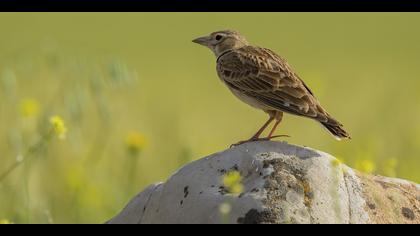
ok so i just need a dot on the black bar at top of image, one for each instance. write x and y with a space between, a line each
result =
210 5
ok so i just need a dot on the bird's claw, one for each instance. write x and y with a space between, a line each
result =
276 136
258 139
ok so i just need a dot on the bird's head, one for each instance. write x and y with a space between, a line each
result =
220 41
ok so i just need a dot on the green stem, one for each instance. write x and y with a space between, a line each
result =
10 170
31 150
132 160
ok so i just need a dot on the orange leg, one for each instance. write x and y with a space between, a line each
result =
257 135
270 135
259 132
279 117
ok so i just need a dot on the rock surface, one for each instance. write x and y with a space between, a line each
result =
283 183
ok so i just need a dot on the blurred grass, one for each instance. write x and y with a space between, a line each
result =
110 75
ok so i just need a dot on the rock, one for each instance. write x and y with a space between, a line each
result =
283 183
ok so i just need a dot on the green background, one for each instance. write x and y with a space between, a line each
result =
109 74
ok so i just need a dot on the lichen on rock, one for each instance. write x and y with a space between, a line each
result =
281 183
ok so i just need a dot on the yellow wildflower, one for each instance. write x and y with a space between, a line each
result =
29 108
336 162
5 222
135 142
225 208
59 127
232 182
366 166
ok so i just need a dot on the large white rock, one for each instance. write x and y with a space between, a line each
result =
283 184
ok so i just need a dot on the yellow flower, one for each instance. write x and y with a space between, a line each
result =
336 162
135 142
59 127
225 208
232 182
5 222
29 108
366 166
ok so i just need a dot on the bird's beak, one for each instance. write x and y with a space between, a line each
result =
202 40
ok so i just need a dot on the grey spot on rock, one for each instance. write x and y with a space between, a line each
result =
372 206
222 190
186 192
266 165
253 216
408 213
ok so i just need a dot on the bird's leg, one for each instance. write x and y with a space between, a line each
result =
256 136
259 132
279 117
273 129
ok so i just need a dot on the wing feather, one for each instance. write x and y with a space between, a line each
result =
266 77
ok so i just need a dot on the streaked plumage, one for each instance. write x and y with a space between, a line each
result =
264 80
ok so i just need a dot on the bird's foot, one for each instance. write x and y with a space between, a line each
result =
277 136
258 139
242 142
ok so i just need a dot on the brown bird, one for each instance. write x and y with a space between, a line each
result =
264 80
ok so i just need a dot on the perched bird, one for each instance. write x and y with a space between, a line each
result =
264 80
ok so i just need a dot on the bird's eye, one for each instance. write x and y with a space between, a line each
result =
218 37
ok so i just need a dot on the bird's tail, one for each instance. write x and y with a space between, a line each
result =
336 130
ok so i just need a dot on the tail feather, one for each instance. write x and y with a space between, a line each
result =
336 130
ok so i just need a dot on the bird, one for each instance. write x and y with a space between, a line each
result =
264 80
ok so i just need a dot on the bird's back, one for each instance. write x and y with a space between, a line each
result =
263 79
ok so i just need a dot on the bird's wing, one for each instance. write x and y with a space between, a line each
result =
266 77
